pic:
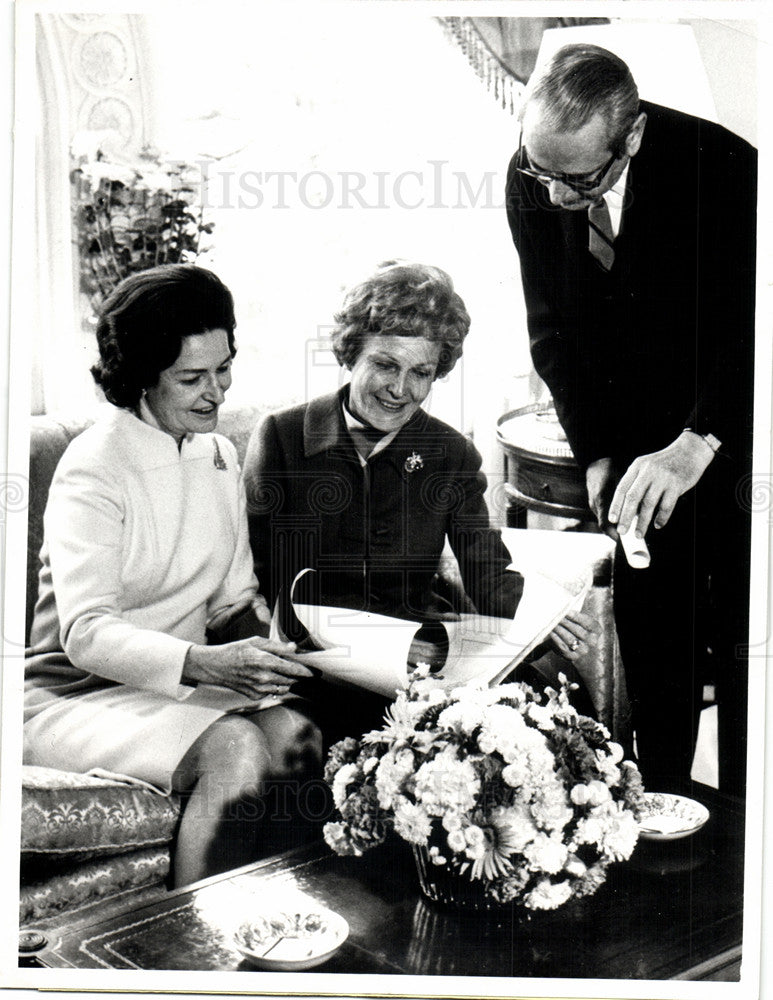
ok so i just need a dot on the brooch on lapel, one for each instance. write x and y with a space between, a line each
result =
414 462
218 459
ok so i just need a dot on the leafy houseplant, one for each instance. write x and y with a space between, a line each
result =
132 216
504 794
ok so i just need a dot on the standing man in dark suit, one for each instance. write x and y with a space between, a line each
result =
635 229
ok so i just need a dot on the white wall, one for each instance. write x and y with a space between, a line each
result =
380 98
703 66
374 95
730 52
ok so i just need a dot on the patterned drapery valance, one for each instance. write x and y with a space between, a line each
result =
503 50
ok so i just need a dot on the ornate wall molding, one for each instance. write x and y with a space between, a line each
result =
106 71
93 74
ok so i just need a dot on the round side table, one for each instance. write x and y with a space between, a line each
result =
541 473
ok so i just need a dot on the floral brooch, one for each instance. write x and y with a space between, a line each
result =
414 462
218 458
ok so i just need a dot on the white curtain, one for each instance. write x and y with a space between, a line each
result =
90 75
54 373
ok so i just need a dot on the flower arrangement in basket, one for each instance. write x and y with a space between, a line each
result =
505 795
132 216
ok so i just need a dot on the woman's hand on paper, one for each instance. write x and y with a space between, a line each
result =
573 636
254 667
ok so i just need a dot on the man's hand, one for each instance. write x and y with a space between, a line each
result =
599 480
653 483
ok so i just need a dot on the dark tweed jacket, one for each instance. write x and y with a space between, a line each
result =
374 535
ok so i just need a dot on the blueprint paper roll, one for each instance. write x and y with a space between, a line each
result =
636 552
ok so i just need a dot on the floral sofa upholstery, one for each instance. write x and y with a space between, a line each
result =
84 837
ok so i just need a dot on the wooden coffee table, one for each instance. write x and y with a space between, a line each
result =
673 911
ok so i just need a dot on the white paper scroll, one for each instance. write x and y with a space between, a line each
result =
357 647
371 650
487 649
636 552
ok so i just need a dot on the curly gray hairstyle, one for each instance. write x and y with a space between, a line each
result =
405 299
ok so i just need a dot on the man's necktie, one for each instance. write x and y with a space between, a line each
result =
600 236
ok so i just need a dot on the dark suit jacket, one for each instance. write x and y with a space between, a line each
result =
664 340
374 536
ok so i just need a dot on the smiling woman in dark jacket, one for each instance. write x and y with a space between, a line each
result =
365 487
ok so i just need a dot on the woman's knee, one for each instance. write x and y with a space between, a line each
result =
232 749
294 741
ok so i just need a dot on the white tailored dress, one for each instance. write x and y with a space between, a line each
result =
145 547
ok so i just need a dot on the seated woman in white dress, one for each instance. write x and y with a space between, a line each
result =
146 551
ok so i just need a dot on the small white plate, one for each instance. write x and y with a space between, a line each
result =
289 942
670 817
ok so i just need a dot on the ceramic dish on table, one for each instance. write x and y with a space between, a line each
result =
289 942
670 817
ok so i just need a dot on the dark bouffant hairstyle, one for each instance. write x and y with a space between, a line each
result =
402 299
142 323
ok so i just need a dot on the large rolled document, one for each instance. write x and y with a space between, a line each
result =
371 650
488 649
353 647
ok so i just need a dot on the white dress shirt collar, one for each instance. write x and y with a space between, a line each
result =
615 199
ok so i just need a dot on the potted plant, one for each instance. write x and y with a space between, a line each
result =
130 216
505 795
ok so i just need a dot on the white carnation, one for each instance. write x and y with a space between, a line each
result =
541 715
393 769
611 828
412 823
336 839
447 783
504 731
546 854
461 717
457 841
341 781
547 895
551 807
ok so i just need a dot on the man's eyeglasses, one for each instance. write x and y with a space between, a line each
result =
579 183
